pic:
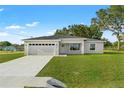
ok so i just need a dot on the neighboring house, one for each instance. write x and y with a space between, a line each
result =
9 48
1 48
19 47
12 48
58 45
122 38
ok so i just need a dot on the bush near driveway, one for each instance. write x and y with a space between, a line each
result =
93 70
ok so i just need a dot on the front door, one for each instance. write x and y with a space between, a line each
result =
64 48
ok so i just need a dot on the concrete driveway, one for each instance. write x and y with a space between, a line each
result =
19 72
25 66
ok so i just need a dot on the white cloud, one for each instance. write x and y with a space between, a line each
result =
33 24
23 32
14 27
51 32
1 9
82 23
4 34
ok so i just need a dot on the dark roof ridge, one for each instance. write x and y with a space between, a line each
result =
52 37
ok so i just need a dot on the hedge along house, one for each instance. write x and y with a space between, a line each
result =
58 45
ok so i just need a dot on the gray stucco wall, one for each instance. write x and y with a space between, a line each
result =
99 46
58 49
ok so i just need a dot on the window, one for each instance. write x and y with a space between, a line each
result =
30 44
42 44
62 45
53 44
39 44
49 44
33 44
36 44
92 46
75 46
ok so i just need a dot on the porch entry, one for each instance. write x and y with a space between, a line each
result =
70 48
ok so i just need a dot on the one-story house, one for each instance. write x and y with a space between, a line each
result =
58 45
8 48
122 38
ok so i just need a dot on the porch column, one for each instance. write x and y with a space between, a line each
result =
26 48
57 48
82 47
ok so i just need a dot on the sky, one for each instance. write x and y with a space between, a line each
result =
21 22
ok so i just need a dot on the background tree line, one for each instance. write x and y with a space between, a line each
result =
81 30
110 19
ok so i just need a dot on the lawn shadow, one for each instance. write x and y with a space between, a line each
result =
117 52
105 52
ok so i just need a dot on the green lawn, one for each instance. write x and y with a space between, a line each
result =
96 70
6 56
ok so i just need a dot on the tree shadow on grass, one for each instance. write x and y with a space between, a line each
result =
107 52
118 52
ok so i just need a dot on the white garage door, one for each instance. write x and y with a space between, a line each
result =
41 49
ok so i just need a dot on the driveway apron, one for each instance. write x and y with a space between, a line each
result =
17 73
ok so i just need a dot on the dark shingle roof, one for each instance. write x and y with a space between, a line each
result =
51 37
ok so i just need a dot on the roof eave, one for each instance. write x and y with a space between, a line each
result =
42 40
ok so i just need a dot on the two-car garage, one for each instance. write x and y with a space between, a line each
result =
42 48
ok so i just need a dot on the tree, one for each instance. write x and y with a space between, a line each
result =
81 31
107 42
95 32
5 43
111 19
62 31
